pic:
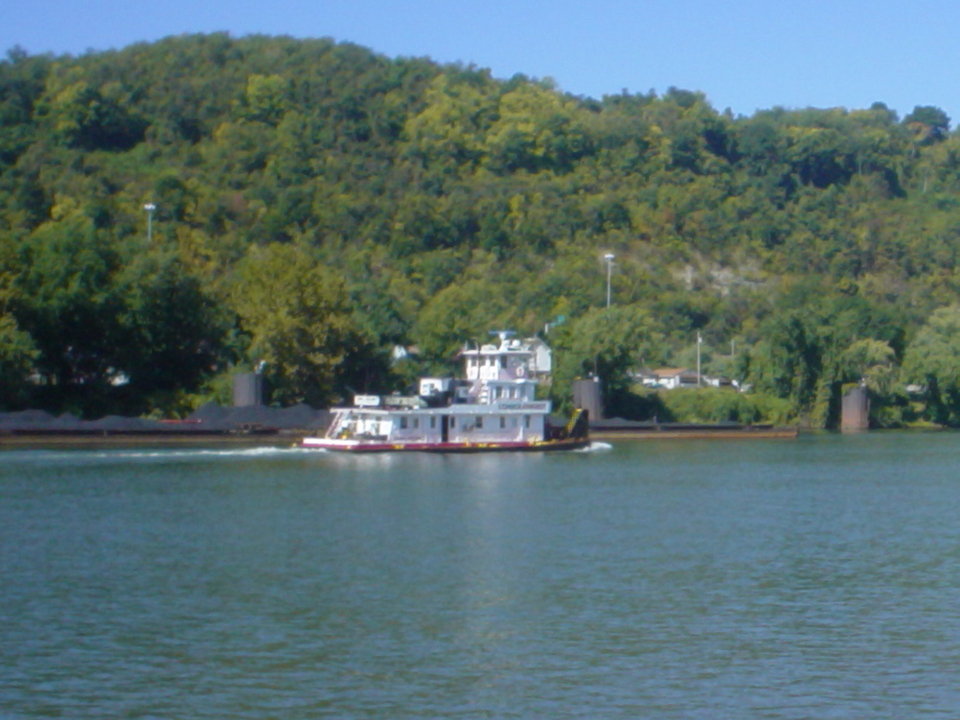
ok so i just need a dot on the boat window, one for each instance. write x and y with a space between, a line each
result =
503 422
403 422
526 421
433 422
416 423
479 422
453 421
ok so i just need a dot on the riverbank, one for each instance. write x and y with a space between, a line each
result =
289 438
215 425
244 426
210 424
619 429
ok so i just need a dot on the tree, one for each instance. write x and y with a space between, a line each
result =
296 313
535 130
175 332
606 343
448 131
928 123
459 313
265 99
94 118
872 362
67 301
933 360
787 361
17 349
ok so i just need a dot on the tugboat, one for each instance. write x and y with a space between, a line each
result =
493 408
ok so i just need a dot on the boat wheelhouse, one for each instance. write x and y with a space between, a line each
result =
493 407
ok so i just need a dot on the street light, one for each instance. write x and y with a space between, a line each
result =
609 258
150 208
699 344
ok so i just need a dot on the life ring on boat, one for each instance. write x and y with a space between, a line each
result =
521 371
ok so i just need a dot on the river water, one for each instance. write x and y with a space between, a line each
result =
817 577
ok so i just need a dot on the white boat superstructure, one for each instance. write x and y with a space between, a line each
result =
493 407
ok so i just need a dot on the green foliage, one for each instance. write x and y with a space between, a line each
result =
265 99
806 355
64 297
873 361
933 361
928 123
91 118
452 317
428 204
605 343
720 405
175 333
296 313
17 355
17 349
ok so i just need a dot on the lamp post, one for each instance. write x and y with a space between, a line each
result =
699 343
609 258
150 208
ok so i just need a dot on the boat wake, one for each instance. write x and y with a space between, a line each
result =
595 447
251 452
155 454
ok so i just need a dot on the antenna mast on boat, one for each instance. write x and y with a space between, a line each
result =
503 334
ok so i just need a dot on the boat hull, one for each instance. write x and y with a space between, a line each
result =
360 446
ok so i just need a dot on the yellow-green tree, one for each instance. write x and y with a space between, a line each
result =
536 129
296 313
449 130
933 361
265 99
17 349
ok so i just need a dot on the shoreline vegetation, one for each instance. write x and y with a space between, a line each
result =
178 212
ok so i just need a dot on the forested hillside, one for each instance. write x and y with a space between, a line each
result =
317 204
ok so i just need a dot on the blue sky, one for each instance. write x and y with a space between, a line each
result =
743 54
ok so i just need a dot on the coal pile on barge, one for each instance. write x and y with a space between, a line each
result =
208 420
